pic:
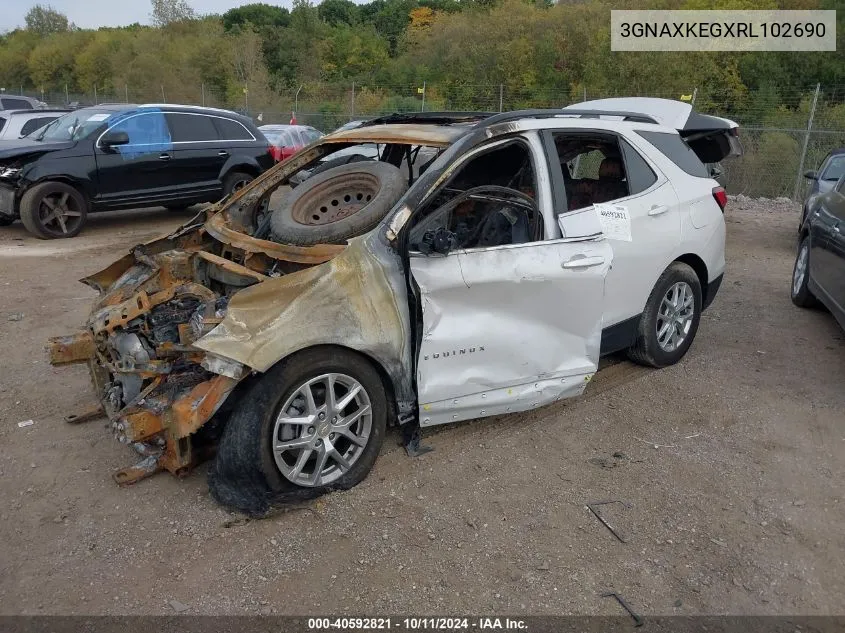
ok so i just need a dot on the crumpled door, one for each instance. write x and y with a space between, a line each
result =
508 328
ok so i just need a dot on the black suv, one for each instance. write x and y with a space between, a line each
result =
120 156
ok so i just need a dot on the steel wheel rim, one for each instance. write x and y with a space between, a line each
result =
59 213
800 270
674 318
322 429
335 199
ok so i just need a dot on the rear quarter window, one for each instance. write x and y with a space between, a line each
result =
16 104
675 149
34 124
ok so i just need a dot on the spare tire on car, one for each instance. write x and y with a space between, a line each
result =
337 204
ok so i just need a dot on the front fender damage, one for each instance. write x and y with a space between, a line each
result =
181 322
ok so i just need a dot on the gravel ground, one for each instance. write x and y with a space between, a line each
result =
731 462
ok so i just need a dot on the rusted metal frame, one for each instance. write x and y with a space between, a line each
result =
74 348
231 266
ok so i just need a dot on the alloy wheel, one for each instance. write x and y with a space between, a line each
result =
322 430
59 213
800 271
675 316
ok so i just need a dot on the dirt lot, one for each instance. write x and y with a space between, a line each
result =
732 461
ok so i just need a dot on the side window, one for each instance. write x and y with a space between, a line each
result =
34 124
2 123
592 166
147 133
16 104
840 186
640 175
229 130
675 149
191 128
489 202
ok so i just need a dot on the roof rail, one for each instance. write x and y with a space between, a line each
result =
443 118
504 117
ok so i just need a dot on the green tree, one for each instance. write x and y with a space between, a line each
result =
336 12
169 11
44 20
259 15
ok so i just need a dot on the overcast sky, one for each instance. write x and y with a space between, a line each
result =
90 14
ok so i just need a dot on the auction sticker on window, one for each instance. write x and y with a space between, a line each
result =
615 221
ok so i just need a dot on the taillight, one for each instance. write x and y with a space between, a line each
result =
721 197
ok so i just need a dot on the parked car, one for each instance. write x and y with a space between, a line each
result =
302 322
287 140
819 272
121 156
15 124
823 179
19 102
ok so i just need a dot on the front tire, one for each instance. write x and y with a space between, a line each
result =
53 210
800 294
670 320
313 423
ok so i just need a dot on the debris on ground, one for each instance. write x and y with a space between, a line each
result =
177 606
16 316
25 423
638 621
594 508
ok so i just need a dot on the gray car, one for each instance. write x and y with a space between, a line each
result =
15 124
823 179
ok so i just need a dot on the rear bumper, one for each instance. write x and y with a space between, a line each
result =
712 289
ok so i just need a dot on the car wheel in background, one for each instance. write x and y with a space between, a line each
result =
236 181
670 320
53 210
801 295
338 204
313 423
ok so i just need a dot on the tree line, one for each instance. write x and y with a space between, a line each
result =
539 52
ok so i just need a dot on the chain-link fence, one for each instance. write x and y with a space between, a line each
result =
783 133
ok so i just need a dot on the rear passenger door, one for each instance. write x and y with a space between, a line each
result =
642 224
198 155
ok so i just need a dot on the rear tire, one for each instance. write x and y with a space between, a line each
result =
236 181
249 476
800 294
670 320
53 210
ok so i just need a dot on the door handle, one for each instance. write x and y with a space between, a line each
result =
655 210
222 152
583 262
164 157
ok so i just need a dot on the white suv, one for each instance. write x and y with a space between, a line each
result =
478 267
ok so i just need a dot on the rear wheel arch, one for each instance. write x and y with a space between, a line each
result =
697 264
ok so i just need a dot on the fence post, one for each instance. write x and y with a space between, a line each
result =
422 107
67 96
800 174
501 95
352 106
202 88
694 95
126 92
585 93
95 95
163 97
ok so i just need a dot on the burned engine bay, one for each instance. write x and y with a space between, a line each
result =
156 388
